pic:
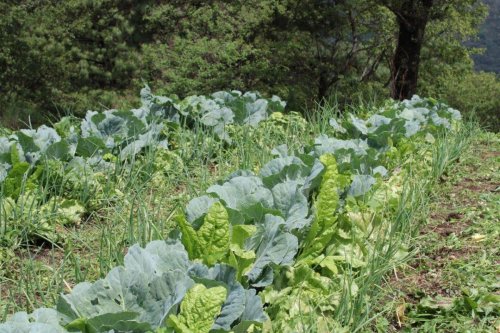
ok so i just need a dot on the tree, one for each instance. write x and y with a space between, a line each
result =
301 50
82 54
73 54
412 17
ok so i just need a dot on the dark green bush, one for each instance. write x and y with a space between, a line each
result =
477 93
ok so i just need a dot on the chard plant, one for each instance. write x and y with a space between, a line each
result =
290 246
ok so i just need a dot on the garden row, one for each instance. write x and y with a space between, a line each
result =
262 249
55 176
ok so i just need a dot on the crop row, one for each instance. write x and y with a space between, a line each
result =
261 247
73 159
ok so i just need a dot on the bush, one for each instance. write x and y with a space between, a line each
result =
476 93
16 114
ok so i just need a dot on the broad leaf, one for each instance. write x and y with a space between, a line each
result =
272 245
199 309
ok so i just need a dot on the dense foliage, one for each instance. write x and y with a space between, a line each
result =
278 236
76 55
226 212
489 39
86 147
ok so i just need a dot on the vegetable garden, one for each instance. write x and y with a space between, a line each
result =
292 237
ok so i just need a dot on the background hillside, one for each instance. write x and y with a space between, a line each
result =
489 38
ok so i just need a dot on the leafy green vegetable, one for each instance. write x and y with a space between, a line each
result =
244 194
199 309
361 184
41 320
241 305
211 240
327 201
292 203
272 245
287 231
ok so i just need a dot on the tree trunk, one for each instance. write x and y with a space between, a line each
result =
323 86
412 20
